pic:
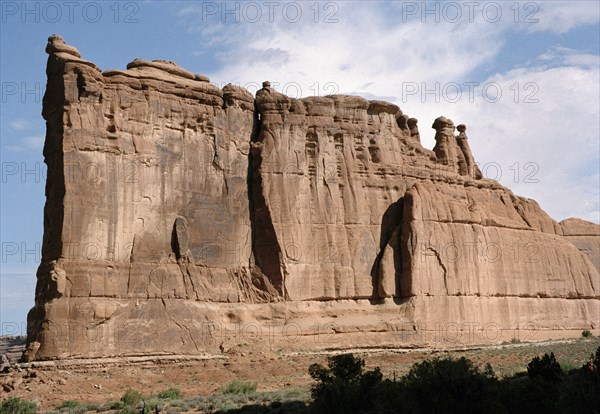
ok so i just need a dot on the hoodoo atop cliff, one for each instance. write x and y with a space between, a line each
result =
181 217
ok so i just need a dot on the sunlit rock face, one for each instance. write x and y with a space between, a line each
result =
176 209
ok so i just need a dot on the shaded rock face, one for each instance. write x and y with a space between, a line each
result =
175 207
585 236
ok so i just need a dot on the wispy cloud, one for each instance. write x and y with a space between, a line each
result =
20 124
383 56
547 146
568 56
562 16
27 144
547 119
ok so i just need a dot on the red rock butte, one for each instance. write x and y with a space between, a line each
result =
182 218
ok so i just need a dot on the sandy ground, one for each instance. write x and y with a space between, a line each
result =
100 381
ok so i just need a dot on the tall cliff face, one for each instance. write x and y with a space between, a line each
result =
372 214
175 207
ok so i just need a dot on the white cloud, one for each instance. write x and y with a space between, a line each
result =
556 138
569 57
553 140
32 143
20 124
562 16
541 139
383 56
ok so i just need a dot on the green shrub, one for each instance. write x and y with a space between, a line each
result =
546 367
586 334
132 397
344 367
130 409
530 395
595 359
239 387
580 392
170 394
343 387
567 366
15 405
69 404
153 404
455 384
115 405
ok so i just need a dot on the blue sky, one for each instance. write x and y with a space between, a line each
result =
523 76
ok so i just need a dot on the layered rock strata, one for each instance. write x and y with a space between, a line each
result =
181 217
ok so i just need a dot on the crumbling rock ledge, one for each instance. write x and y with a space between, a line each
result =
182 218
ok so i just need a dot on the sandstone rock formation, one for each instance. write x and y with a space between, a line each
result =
180 216
466 162
584 235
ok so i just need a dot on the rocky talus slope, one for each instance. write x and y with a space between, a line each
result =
182 218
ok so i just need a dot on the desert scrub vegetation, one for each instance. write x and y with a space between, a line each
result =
132 397
343 386
169 394
292 400
560 377
239 387
69 404
15 405
456 386
546 367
